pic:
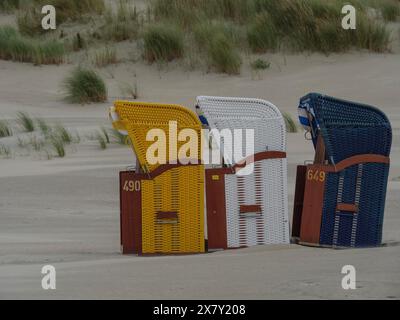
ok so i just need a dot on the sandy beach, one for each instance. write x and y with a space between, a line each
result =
65 212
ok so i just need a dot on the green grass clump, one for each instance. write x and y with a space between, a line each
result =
37 143
190 12
58 137
49 52
63 134
11 45
260 64
54 140
105 133
162 43
25 121
262 34
85 86
58 146
219 28
29 21
311 25
204 31
219 41
5 129
9 5
105 57
120 25
17 48
370 35
5 151
101 139
43 126
390 10
224 57
379 38
290 123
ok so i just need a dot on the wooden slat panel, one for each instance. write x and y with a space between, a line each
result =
264 155
312 207
298 200
255 208
216 208
349 207
319 157
131 212
167 215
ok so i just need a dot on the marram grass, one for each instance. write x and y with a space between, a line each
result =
15 47
85 86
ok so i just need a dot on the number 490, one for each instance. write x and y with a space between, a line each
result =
131 185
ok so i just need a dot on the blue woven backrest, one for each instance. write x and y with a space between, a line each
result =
348 128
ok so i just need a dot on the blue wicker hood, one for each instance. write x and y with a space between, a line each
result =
348 128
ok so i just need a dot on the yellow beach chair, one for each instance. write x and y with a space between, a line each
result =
168 214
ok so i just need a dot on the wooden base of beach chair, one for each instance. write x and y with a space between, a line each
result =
233 221
325 218
130 213
151 222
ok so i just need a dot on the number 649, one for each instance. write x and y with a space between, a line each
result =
316 175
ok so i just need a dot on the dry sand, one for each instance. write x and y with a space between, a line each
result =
65 212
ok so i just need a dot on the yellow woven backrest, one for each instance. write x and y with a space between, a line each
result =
178 191
140 117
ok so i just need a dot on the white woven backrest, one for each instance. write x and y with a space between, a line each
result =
267 186
245 113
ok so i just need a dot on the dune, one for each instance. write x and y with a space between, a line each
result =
65 212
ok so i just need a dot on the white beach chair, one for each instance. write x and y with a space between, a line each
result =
251 209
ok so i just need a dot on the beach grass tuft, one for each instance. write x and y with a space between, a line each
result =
120 25
58 145
271 25
85 86
290 123
5 129
105 57
15 47
5 151
163 43
25 121
390 10
101 139
260 64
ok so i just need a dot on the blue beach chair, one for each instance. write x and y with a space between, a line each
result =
340 199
